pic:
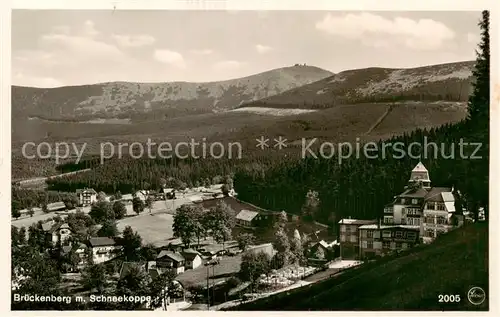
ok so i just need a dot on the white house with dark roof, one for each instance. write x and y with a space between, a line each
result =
427 210
86 196
192 257
103 249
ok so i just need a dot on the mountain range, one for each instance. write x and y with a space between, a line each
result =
159 100
295 87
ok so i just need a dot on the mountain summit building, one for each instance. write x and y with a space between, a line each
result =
419 214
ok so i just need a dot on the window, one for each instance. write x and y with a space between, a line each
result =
386 234
399 234
411 235
430 220
403 201
363 233
364 244
430 206
369 244
386 244
388 220
377 245
441 220
354 239
440 206
343 229
399 245
369 233
414 201
413 211
343 238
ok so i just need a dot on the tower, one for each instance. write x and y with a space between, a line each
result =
420 174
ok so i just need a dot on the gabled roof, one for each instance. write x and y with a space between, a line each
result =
128 266
266 248
435 194
52 226
414 193
47 226
56 205
174 256
327 245
190 255
154 273
246 215
86 190
101 241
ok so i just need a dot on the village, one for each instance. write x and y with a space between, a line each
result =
216 251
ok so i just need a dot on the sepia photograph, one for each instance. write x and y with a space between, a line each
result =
250 160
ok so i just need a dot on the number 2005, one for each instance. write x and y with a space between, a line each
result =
449 298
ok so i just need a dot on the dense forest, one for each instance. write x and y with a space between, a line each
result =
358 187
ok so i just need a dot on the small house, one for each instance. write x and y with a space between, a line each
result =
192 258
168 260
247 218
103 249
57 231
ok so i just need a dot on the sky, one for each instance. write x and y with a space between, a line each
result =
53 48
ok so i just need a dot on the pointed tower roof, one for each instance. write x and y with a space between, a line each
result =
420 174
419 168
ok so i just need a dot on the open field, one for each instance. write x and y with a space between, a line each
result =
446 266
154 228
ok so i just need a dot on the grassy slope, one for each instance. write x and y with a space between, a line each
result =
452 265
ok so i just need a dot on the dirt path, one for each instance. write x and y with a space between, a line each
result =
380 119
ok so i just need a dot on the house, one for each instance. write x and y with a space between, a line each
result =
266 248
438 213
379 240
57 231
143 194
421 211
86 196
328 249
432 209
103 249
168 260
349 237
192 258
247 218
80 250
57 206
